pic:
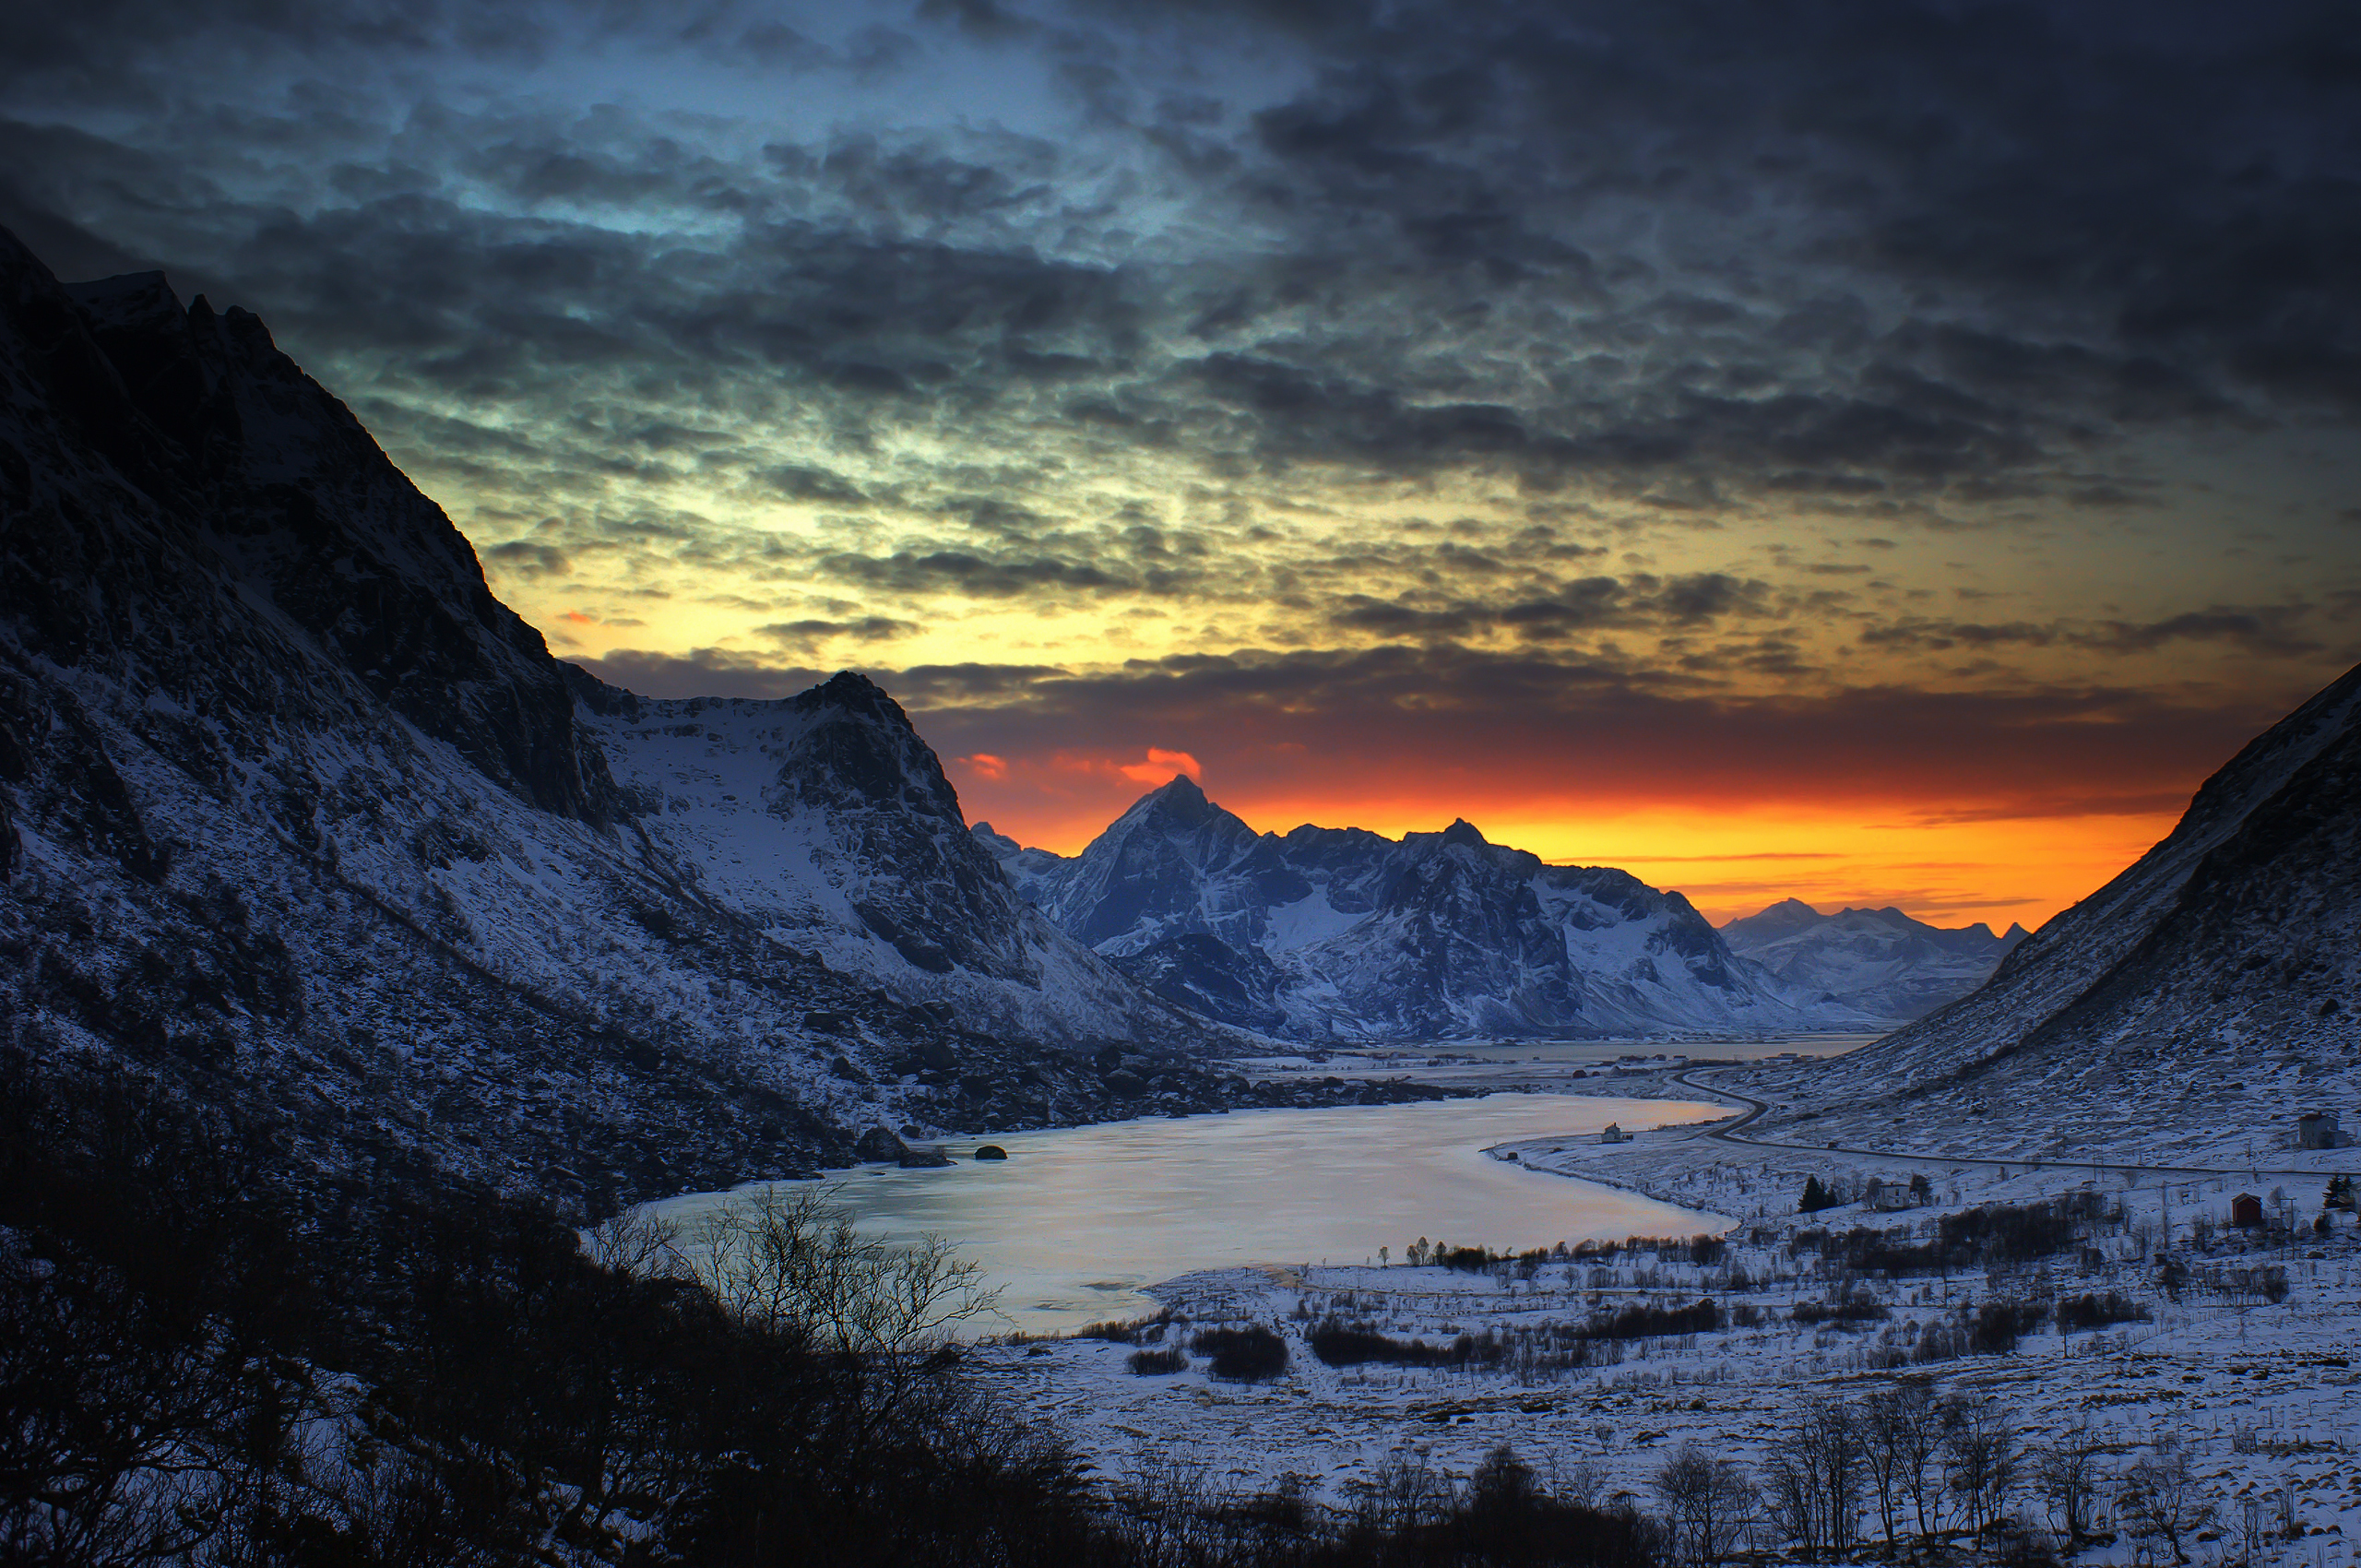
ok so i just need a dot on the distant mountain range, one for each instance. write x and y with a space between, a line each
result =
1327 933
2199 1003
1878 962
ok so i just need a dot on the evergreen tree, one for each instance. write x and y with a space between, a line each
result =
1816 1197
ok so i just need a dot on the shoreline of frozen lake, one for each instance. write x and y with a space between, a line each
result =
1078 1222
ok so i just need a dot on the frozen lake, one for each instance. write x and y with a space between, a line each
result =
1077 1221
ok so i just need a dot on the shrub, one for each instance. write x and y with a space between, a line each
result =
2096 1312
1251 1354
1858 1308
1351 1344
1465 1260
1642 1321
1158 1362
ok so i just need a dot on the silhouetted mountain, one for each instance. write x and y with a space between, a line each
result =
1340 933
1880 962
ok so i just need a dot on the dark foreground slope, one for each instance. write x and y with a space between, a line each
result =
294 813
204 1363
2201 1000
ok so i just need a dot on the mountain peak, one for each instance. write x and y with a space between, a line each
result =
857 695
1463 831
1178 801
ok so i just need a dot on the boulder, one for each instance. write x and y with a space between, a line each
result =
879 1144
1125 1084
990 1151
924 1158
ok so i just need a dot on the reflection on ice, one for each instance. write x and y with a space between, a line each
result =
1077 1222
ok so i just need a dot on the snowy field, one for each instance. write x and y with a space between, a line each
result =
2258 1395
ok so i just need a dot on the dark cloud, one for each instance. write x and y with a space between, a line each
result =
528 559
2276 629
800 481
1301 366
960 572
803 635
1575 729
1642 602
2271 629
702 672
912 267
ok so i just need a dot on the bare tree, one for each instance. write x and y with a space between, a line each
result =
1885 1431
2066 1473
1913 1424
1174 1505
793 1263
1708 1503
872 1318
636 1244
1812 1478
1405 1493
2160 1498
1980 1460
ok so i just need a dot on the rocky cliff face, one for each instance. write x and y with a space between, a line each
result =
1342 933
292 810
1878 962
2204 997
303 512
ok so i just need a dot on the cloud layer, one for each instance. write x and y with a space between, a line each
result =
1809 397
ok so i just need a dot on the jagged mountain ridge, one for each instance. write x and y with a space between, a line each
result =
2198 1002
1880 962
1324 934
292 808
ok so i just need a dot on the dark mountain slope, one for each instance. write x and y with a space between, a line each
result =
2204 997
293 812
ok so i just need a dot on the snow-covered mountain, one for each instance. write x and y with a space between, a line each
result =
2201 1001
1880 962
1342 933
292 808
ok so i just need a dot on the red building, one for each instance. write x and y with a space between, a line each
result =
2245 1212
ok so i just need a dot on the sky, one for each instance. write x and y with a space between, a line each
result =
1877 451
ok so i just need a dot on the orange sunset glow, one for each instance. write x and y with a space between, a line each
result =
1779 515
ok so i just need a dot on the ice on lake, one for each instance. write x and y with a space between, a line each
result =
1078 1221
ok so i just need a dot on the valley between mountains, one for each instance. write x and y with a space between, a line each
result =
297 813
364 970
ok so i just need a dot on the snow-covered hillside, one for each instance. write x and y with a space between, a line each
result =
1880 962
294 811
1343 933
2214 987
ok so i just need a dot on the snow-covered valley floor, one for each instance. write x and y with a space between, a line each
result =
2258 1395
